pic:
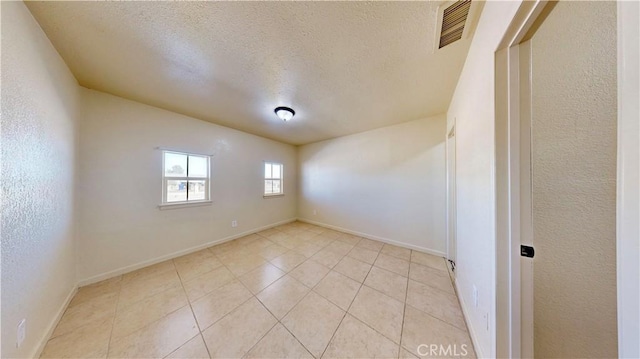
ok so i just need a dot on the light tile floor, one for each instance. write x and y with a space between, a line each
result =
294 291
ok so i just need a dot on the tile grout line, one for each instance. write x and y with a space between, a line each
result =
193 314
438 319
404 308
262 337
152 322
330 301
400 347
279 321
115 313
191 306
430 285
374 329
251 297
117 302
296 338
239 305
346 312
165 315
300 242
466 329
404 311
67 310
367 325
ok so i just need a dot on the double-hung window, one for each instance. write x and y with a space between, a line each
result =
185 178
273 179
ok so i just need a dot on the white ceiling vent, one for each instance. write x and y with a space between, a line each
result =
453 21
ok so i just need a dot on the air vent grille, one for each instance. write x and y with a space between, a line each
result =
453 19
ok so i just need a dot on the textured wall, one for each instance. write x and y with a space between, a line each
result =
574 181
39 102
120 184
388 183
473 110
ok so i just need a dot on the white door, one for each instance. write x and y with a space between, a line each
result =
451 195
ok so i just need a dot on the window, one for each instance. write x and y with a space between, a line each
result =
185 178
273 179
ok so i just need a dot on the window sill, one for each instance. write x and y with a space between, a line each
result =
177 205
273 195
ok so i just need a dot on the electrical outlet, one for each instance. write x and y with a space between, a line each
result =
21 333
315 212
475 296
234 223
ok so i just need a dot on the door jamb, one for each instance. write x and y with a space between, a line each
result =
508 230
507 176
451 194
628 188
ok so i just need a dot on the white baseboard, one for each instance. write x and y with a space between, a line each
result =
472 332
54 323
131 268
371 236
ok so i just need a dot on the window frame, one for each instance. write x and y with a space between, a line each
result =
186 178
264 179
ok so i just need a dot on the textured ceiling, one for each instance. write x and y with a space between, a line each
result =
345 67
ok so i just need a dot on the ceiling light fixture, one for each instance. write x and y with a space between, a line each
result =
284 113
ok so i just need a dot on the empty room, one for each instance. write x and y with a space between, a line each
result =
242 179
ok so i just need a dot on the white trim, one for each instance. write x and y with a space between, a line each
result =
54 323
450 174
130 268
371 236
628 191
176 205
186 178
526 329
508 172
472 332
273 195
265 178
166 149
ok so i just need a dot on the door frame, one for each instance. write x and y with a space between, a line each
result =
509 171
512 193
628 181
451 194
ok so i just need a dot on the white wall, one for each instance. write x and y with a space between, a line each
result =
387 183
121 227
473 108
39 109
574 181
